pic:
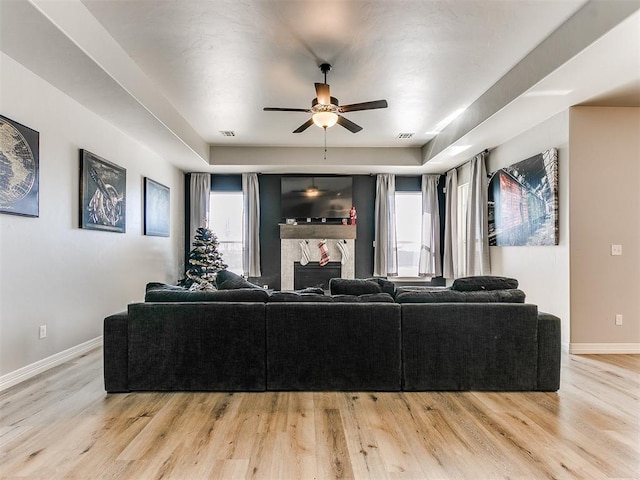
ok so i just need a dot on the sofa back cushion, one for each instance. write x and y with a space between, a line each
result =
483 282
159 292
453 296
364 298
353 286
298 297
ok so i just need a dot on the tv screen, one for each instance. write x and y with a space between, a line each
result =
316 197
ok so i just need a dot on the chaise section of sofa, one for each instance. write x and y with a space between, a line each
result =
333 346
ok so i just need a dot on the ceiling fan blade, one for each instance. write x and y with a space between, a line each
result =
323 94
304 126
277 109
349 125
363 106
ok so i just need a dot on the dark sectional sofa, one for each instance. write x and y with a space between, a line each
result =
366 336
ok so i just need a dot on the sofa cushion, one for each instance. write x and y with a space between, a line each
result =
366 298
471 284
453 296
353 286
298 297
226 280
387 286
159 292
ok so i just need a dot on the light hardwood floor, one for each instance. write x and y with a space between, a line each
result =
62 425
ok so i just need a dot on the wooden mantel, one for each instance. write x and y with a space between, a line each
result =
317 230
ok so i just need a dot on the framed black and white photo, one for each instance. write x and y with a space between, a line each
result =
19 169
156 208
102 194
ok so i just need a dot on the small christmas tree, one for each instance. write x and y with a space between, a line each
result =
205 261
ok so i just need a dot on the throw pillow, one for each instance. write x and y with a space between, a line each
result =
226 280
471 284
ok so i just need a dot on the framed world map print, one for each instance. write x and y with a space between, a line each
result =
19 169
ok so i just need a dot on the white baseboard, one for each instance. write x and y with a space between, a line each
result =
29 371
604 348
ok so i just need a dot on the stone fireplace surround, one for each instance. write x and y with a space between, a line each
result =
290 252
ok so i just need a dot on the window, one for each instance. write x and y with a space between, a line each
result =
225 219
463 197
408 232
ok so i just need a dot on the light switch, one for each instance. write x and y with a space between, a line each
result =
616 249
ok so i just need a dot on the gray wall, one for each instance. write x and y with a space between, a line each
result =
53 272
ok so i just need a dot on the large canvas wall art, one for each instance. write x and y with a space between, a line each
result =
523 202
19 169
102 194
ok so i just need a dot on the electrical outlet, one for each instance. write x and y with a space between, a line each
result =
616 250
43 331
266 287
619 319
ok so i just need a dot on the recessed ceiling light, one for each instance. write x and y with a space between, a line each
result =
547 93
446 121
227 133
456 149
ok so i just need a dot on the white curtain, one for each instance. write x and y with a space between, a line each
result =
385 252
251 225
477 260
429 264
450 259
199 190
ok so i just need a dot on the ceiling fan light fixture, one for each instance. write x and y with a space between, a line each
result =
325 119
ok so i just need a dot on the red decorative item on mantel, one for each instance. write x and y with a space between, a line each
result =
352 216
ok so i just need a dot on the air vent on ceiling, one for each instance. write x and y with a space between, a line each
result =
227 133
405 135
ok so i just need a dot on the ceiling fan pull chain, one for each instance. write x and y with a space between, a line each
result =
325 144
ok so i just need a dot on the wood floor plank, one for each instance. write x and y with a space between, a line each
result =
62 425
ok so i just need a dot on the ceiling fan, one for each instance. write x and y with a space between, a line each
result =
326 109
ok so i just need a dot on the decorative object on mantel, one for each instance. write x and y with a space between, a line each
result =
20 170
324 252
344 251
305 255
205 261
352 216
523 202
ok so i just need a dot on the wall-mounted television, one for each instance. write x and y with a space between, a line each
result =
316 197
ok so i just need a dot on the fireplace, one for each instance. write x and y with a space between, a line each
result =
291 237
313 275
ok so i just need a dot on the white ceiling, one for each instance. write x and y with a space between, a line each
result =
174 74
